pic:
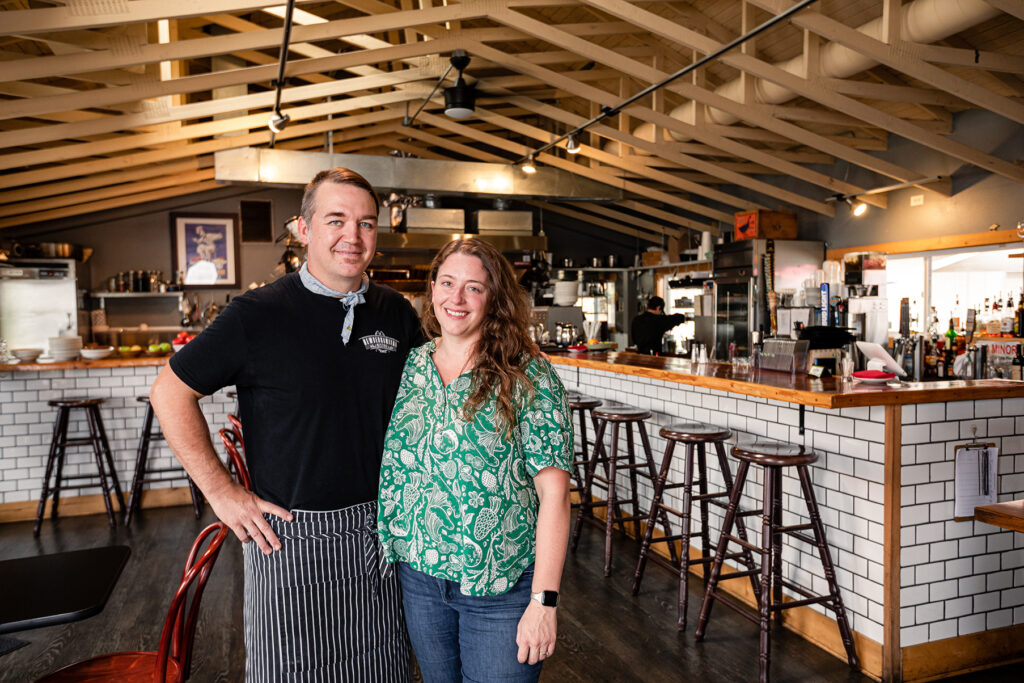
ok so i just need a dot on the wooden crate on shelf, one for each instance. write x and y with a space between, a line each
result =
760 224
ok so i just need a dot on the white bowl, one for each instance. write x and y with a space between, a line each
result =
97 354
27 355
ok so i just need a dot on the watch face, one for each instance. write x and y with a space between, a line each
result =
549 598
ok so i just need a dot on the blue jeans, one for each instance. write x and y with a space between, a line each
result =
460 637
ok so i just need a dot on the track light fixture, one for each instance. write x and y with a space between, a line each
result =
857 208
528 166
572 145
278 122
607 111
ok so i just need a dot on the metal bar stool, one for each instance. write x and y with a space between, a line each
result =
581 405
692 434
141 476
97 439
773 457
616 415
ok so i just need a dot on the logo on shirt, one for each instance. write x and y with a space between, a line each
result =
379 342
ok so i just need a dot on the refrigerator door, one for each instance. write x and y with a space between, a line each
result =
734 316
32 311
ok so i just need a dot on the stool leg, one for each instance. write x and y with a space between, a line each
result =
702 484
58 478
109 457
584 449
141 456
723 545
645 441
741 527
684 560
586 502
97 448
612 510
826 562
659 489
776 543
197 498
60 427
767 523
634 499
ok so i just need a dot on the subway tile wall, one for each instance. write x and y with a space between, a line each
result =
26 425
962 577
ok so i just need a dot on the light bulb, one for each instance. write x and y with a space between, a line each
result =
528 166
857 208
278 122
572 145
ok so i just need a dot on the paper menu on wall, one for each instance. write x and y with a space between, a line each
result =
976 479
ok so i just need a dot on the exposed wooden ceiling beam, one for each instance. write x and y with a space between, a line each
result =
119 177
178 151
578 215
223 105
797 84
972 59
1011 7
897 57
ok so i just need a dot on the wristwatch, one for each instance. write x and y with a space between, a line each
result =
546 598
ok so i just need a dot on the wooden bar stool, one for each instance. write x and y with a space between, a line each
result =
581 405
773 457
142 473
616 415
97 439
696 436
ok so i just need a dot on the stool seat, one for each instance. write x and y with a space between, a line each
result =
774 454
621 413
694 432
579 401
74 402
142 399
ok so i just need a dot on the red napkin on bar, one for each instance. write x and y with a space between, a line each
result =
874 374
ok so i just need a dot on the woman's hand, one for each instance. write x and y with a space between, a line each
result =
536 633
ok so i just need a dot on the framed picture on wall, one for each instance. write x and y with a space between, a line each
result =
204 248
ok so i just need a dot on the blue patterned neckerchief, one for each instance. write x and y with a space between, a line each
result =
348 299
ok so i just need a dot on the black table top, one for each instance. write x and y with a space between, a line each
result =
43 590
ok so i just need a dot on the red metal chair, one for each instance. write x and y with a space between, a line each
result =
236 427
172 662
236 463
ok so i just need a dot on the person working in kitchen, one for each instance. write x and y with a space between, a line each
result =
649 327
316 358
474 485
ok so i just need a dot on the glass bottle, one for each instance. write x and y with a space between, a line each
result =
1006 322
1017 365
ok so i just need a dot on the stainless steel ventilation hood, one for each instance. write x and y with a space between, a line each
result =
288 168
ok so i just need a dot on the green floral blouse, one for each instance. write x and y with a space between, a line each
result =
457 499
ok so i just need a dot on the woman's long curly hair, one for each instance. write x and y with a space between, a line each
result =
504 345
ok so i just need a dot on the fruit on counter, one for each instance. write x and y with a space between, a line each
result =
135 348
165 347
183 338
124 349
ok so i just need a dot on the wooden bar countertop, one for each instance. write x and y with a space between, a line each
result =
114 361
801 389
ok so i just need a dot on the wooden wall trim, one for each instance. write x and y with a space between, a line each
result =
77 506
892 667
972 239
963 654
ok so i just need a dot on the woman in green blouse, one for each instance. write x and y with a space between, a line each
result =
474 487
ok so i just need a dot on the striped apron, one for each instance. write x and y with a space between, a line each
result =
327 606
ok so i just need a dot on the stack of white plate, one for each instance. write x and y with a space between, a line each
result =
65 348
565 292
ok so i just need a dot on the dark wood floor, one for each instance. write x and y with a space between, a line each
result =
605 634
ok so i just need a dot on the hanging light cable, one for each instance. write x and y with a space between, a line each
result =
278 121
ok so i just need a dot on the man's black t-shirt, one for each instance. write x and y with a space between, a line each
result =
648 328
314 411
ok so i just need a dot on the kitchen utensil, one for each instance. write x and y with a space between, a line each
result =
611 261
97 354
27 355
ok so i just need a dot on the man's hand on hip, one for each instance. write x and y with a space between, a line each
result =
243 511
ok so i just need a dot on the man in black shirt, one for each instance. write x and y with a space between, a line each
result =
650 326
316 359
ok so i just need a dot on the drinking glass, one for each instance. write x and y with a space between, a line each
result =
847 367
